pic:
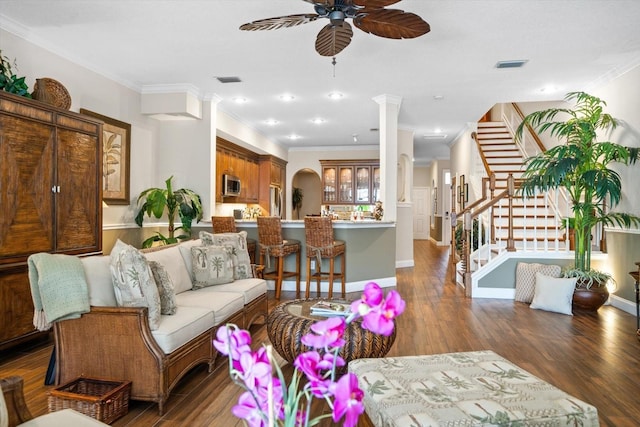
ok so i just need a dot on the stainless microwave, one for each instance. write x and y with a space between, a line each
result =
230 185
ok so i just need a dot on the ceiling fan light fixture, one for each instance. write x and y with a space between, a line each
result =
336 17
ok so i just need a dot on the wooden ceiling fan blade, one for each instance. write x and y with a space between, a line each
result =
332 39
279 22
375 4
391 23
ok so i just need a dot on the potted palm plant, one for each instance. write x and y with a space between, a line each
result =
154 201
296 199
582 167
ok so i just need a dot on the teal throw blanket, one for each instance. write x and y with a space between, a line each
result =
58 288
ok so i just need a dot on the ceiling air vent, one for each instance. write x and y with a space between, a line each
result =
434 136
230 79
511 64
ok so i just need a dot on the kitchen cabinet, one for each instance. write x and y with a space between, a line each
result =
234 160
350 181
50 198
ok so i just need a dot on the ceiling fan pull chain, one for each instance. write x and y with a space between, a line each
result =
334 62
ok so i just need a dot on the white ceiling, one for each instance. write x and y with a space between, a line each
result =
569 45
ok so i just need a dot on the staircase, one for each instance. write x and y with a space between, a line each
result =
535 221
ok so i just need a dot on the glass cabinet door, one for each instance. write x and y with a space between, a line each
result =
329 182
376 184
346 184
362 184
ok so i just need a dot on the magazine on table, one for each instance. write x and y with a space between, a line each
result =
331 308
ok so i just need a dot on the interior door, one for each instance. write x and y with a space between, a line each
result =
421 212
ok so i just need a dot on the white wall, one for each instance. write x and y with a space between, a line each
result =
621 97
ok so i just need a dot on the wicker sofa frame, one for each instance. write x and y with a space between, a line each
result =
116 343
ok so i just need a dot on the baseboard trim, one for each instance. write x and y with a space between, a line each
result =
405 263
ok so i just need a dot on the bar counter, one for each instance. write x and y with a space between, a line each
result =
371 253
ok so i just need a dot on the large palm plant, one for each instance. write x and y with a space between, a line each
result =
186 203
581 166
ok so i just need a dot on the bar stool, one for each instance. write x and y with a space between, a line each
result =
227 224
271 244
320 244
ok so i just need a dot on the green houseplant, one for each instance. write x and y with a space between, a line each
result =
296 199
154 201
9 82
581 165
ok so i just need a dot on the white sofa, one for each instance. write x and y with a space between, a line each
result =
117 343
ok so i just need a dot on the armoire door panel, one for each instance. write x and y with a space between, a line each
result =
76 206
26 198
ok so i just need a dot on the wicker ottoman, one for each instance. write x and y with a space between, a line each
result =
289 321
463 389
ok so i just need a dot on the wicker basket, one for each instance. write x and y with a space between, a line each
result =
52 92
104 400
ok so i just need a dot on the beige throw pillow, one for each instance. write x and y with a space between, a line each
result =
236 245
526 278
167 294
211 266
133 281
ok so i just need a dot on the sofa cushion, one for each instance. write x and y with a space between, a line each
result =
165 288
222 304
236 245
526 278
554 294
249 288
177 330
98 275
172 261
185 251
133 282
211 266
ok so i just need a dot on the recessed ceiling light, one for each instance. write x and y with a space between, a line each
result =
355 137
437 130
318 120
239 100
287 97
271 122
517 63
335 96
293 137
438 97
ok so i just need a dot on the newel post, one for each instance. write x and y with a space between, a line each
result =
511 189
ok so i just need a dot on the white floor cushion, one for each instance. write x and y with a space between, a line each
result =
64 418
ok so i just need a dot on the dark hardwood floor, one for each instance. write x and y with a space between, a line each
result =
593 356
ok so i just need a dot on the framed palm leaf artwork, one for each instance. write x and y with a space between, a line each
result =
116 150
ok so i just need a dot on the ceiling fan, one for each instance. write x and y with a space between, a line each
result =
369 16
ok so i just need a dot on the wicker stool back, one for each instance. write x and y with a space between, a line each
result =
272 244
321 244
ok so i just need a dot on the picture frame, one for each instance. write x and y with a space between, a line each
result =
116 159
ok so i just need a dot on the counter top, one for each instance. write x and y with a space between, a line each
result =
337 223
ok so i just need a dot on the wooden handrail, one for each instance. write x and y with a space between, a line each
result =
534 135
474 135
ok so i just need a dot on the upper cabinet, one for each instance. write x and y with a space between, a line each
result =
350 181
234 160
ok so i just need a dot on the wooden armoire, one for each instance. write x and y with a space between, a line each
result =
50 198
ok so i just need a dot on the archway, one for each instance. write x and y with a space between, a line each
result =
309 182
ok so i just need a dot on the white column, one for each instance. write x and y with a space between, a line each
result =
213 101
389 110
